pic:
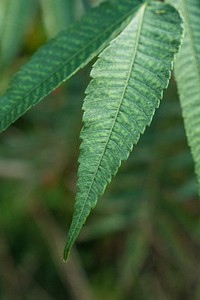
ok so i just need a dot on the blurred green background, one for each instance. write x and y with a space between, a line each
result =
142 241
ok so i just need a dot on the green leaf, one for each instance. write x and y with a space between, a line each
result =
127 85
187 72
61 57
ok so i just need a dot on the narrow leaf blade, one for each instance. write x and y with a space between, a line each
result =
61 57
127 85
187 73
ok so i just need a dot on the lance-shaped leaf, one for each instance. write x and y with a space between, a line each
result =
127 85
61 57
187 72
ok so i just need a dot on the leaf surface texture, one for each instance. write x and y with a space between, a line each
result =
61 57
187 72
127 85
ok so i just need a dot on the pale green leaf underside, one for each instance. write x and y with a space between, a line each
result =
63 56
187 72
127 85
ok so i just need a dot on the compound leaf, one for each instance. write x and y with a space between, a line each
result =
127 85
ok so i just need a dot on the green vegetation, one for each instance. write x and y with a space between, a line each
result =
142 240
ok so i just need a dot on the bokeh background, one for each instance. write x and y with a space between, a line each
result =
142 241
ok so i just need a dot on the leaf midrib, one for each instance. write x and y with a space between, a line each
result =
114 122
120 21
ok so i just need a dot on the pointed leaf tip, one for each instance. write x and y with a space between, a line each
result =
127 86
66 253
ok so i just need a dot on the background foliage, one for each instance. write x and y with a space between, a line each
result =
142 240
